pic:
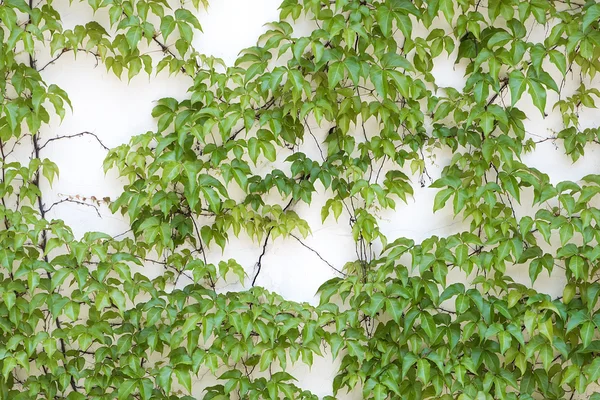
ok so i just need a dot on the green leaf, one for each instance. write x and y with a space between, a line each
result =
395 308
423 371
10 299
408 361
559 60
20 5
451 291
505 340
517 84
336 73
134 34
185 15
593 370
447 8
165 378
487 123
576 266
8 364
72 310
376 304
379 80
299 47
538 95
354 69
384 18
575 320
167 26
146 389
441 198
380 392
590 15
185 379
393 60
191 323
587 333
126 388
428 324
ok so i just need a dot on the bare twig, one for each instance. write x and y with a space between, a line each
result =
168 51
123 233
314 137
75 202
318 255
552 138
258 265
96 55
80 134
259 262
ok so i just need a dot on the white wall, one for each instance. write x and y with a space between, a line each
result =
116 110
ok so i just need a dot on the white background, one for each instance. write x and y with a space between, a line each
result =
115 110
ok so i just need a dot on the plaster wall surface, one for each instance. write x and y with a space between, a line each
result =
115 110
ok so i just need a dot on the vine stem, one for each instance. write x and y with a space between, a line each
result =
258 264
80 134
6 223
40 203
262 254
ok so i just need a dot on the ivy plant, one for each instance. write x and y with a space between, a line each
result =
79 319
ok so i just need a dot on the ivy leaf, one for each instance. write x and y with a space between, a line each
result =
505 340
72 310
380 392
408 361
184 378
376 304
126 388
499 38
253 149
517 84
510 184
395 308
182 14
167 26
451 291
447 8
299 47
393 60
576 265
353 66
590 15
165 378
379 80
20 5
487 123
575 320
428 324
423 371
559 60
593 370
146 387
10 299
336 73
538 95
8 364
384 18
190 324
134 34
587 333
441 198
